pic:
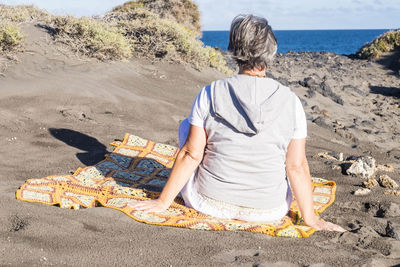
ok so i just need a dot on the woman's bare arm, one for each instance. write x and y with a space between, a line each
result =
187 160
300 180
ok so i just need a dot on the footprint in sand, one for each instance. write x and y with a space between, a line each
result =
366 240
17 223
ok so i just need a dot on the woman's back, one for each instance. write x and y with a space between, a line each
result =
249 123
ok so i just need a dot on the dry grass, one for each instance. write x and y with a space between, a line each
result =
10 37
10 43
90 37
383 43
23 13
159 30
184 12
163 39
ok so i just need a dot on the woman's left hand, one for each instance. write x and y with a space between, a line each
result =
153 205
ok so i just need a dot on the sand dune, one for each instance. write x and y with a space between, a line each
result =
59 111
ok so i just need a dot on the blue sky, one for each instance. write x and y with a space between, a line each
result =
282 14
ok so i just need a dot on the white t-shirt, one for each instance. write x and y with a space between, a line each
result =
201 108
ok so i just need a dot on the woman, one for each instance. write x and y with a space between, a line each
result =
243 145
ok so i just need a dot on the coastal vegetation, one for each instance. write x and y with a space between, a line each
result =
163 39
23 13
166 31
158 30
184 12
91 38
10 36
386 42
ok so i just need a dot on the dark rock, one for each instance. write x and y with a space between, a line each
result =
382 209
338 65
375 209
310 82
331 70
310 93
354 126
368 131
283 81
391 231
368 64
338 100
352 158
353 224
378 112
350 88
318 65
367 123
315 108
343 132
328 163
323 88
309 117
345 166
320 121
395 152
327 91
270 75
303 102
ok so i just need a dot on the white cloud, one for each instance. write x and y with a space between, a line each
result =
305 14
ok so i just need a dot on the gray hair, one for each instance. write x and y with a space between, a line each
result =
251 41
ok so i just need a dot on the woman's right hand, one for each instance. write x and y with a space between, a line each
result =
321 225
153 205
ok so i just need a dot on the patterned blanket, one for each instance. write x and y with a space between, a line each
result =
138 169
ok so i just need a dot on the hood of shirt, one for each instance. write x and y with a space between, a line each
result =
248 103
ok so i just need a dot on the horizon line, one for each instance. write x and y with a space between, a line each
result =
350 29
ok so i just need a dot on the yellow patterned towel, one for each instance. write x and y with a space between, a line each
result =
138 169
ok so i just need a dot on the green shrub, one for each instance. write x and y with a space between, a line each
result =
90 37
22 13
10 36
383 43
217 60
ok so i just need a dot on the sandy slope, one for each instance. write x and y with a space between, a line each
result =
59 112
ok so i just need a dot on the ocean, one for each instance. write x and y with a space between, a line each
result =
337 41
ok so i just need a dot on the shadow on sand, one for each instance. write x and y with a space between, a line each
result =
148 174
385 91
94 150
391 61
